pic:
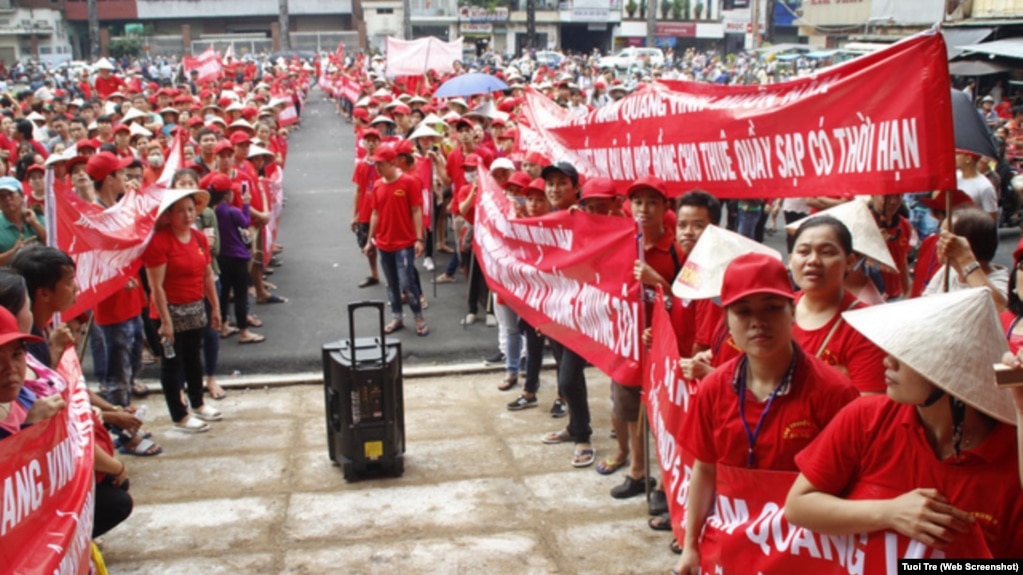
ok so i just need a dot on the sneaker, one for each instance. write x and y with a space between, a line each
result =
559 409
522 402
469 319
207 413
428 264
496 359
491 320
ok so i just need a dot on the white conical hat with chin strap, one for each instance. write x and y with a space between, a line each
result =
704 271
171 197
952 339
866 236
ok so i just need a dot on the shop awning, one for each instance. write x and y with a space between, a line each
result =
975 68
1008 48
956 38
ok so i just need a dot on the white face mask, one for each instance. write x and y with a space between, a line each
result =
470 177
155 160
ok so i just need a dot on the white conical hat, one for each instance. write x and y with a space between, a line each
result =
137 130
952 339
132 114
103 64
704 270
867 238
424 131
256 150
171 197
432 119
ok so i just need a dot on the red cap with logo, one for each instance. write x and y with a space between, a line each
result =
384 153
751 274
103 164
599 187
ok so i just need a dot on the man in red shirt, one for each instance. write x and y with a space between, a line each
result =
364 176
396 227
106 82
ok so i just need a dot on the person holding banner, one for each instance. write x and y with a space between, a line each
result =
756 412
18 226
935 459
19 406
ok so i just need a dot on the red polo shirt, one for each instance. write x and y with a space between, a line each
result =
186 264
878 444
897 239
715 434
363 177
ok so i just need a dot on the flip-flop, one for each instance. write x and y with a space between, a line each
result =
144 448
217 396
422 329
139 390
254 339
660 523
394 326
231 330
556 437
253 321
608 465
583 457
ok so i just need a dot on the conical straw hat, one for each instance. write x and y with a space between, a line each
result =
424 131
867 238
952 339
704 270
171 197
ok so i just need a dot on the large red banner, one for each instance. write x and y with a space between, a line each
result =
46 475
107 244
667 395
748 533
569 274
207 64
839 131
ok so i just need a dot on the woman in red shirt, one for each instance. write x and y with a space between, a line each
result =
177 264
758 410
935 460
822 254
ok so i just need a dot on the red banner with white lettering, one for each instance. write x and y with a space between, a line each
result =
107 244
569 274
836 131
748 533
207 64
288 116
46 474
347 88
667 396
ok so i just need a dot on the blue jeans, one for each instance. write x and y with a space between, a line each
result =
509 321
400 270
123 359
748 221
99 353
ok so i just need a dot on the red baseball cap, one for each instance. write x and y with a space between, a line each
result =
371 133
401 109
404 147
75 161
648 183
471 160
509 134
360 113
537 185
122 128
86 143
599 187
215 183
223 146
384 153
9 329
537 158
240 137
751 274
103 164
194 121
520 179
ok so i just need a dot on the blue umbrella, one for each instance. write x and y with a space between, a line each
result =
469 84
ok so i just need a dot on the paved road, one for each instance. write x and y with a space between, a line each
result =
322 267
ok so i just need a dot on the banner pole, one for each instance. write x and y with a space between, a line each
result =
947 226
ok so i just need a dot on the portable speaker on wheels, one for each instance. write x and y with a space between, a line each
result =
362 387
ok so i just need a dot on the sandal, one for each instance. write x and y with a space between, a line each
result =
444 279
609 465
556 437
394 326
144 448
583 457
675 547
422 329
253 338
253 320
217 394
660 523
508 382
139 389
228 331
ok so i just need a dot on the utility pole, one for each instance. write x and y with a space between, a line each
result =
406 18
769 25
651 22
755 17
93 30
283 21
530 26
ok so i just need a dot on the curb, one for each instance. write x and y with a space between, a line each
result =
316 377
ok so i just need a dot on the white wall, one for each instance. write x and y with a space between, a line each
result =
161 9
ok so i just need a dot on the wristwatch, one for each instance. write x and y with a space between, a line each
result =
971 268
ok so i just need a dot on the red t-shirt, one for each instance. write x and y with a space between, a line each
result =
183 280
363 177
722 344
108 85
897 239
460 196
878 444
715 434
121 306
708 318
393 202
847 349
927 264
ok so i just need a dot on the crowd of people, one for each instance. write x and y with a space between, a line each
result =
809 344
107 135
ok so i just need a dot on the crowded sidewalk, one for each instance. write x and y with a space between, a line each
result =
480 493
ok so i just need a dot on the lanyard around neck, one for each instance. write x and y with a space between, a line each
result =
751 436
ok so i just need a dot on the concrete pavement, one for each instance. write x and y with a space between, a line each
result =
480 492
